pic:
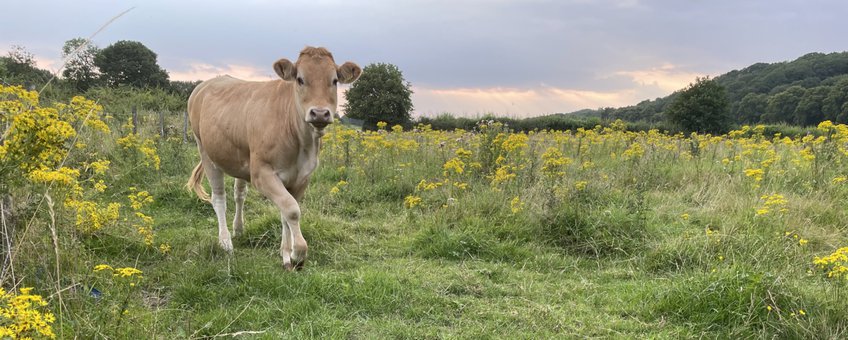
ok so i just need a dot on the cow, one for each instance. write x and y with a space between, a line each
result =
266 133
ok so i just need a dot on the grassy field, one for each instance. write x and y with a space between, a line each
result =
466 234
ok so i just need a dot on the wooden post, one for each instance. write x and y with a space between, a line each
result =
162 124
135 119
185 126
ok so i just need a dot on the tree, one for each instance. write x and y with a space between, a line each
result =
80 69
751 107
781 106
380 94
183 88
19 68
809 109
702 107
130 63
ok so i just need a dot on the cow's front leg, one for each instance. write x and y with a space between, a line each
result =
267 182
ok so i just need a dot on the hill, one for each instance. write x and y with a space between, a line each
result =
806 91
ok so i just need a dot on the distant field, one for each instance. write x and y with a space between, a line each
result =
463 234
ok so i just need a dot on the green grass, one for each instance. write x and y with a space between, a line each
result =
615 260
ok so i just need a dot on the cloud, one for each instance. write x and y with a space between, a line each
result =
516 102
204 71
666 77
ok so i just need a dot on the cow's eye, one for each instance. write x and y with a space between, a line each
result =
299 81
335 82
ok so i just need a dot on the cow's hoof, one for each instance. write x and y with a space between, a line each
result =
226 245
299 264
288 266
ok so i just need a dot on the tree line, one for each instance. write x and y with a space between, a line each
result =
803 92
121 75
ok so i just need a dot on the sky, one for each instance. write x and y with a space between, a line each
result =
509 57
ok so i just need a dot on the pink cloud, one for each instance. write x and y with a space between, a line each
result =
203 71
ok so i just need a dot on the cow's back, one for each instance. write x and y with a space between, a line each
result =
228 117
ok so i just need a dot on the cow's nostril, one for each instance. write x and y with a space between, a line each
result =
327 115
312 113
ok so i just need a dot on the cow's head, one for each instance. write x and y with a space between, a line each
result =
316 77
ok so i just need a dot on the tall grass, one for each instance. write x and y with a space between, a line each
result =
481 233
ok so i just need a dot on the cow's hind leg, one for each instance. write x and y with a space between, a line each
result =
219 203
239 192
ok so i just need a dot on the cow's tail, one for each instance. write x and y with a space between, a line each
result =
195 183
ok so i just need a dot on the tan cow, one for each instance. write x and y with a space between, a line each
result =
269 134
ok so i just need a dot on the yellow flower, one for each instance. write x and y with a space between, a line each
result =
516 205
580 185
684 216
456 165
635 151
101 267
127 272
411 201
757 174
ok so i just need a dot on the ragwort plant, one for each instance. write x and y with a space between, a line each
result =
54 153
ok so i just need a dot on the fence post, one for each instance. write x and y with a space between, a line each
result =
185 126
135 119
162 124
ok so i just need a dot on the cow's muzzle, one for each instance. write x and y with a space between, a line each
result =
319 118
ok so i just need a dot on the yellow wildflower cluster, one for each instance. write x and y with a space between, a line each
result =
516 205
554 163
64 176
36 138
92 216
635 151
143 222
22 316
756 174
580 185
836 264
127 275
773 201
336 189
426 186
502 174
99 167
515 142
411 201
146 147
455 166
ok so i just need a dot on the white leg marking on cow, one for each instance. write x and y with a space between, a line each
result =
219 203
239 192
286 243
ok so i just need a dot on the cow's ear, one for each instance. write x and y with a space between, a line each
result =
285 69
349 72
